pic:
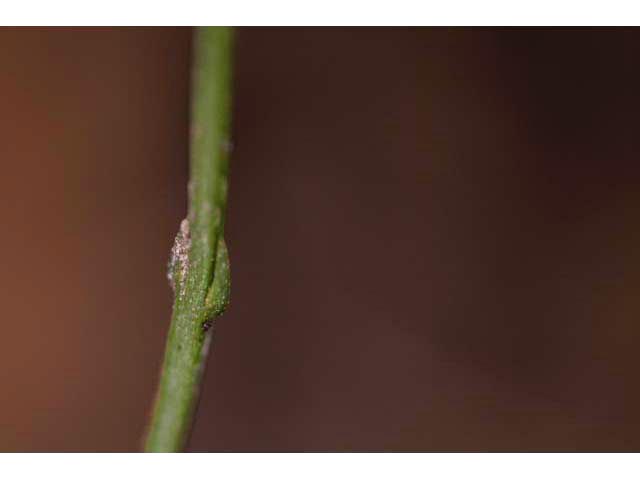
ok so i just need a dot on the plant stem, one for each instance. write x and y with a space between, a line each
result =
199 252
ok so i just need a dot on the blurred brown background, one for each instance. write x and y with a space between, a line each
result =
434 237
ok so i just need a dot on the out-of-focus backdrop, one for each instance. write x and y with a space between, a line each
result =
434 235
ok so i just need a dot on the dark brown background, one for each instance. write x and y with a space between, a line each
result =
434 234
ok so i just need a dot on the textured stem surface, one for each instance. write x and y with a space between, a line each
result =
198 253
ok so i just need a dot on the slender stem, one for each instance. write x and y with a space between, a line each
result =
198 244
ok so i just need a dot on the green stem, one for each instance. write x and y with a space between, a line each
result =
199 253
